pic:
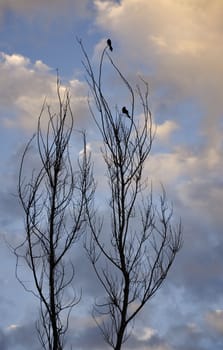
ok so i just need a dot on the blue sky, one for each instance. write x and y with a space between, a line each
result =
177 46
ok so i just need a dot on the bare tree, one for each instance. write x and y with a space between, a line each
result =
142 240
53 199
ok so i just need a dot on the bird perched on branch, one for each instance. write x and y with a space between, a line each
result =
125 111
110 44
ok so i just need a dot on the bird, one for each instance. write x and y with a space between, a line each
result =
110 44
125 111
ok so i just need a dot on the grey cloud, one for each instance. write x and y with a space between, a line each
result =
3 341
22 337
9 201
19 338
198 267
25 337
191 336
87 338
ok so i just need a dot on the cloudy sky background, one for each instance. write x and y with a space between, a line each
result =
177 46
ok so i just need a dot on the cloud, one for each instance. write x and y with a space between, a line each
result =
85 334
187 337
164 130
181 56
215 320
25 85
183 67
143 333
147 338
3 341
21 337
180 46
191 336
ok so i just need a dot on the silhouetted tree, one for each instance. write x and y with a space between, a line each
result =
132 262
53 199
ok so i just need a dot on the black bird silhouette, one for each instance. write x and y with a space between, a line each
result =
110 44
125 111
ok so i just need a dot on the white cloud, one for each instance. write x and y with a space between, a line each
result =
164 130
12 327
144 333
15 60
24 87
168 167
88 150
41 66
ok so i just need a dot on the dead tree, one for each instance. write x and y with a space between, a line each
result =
132 263
53 199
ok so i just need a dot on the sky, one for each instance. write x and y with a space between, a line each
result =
176 45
